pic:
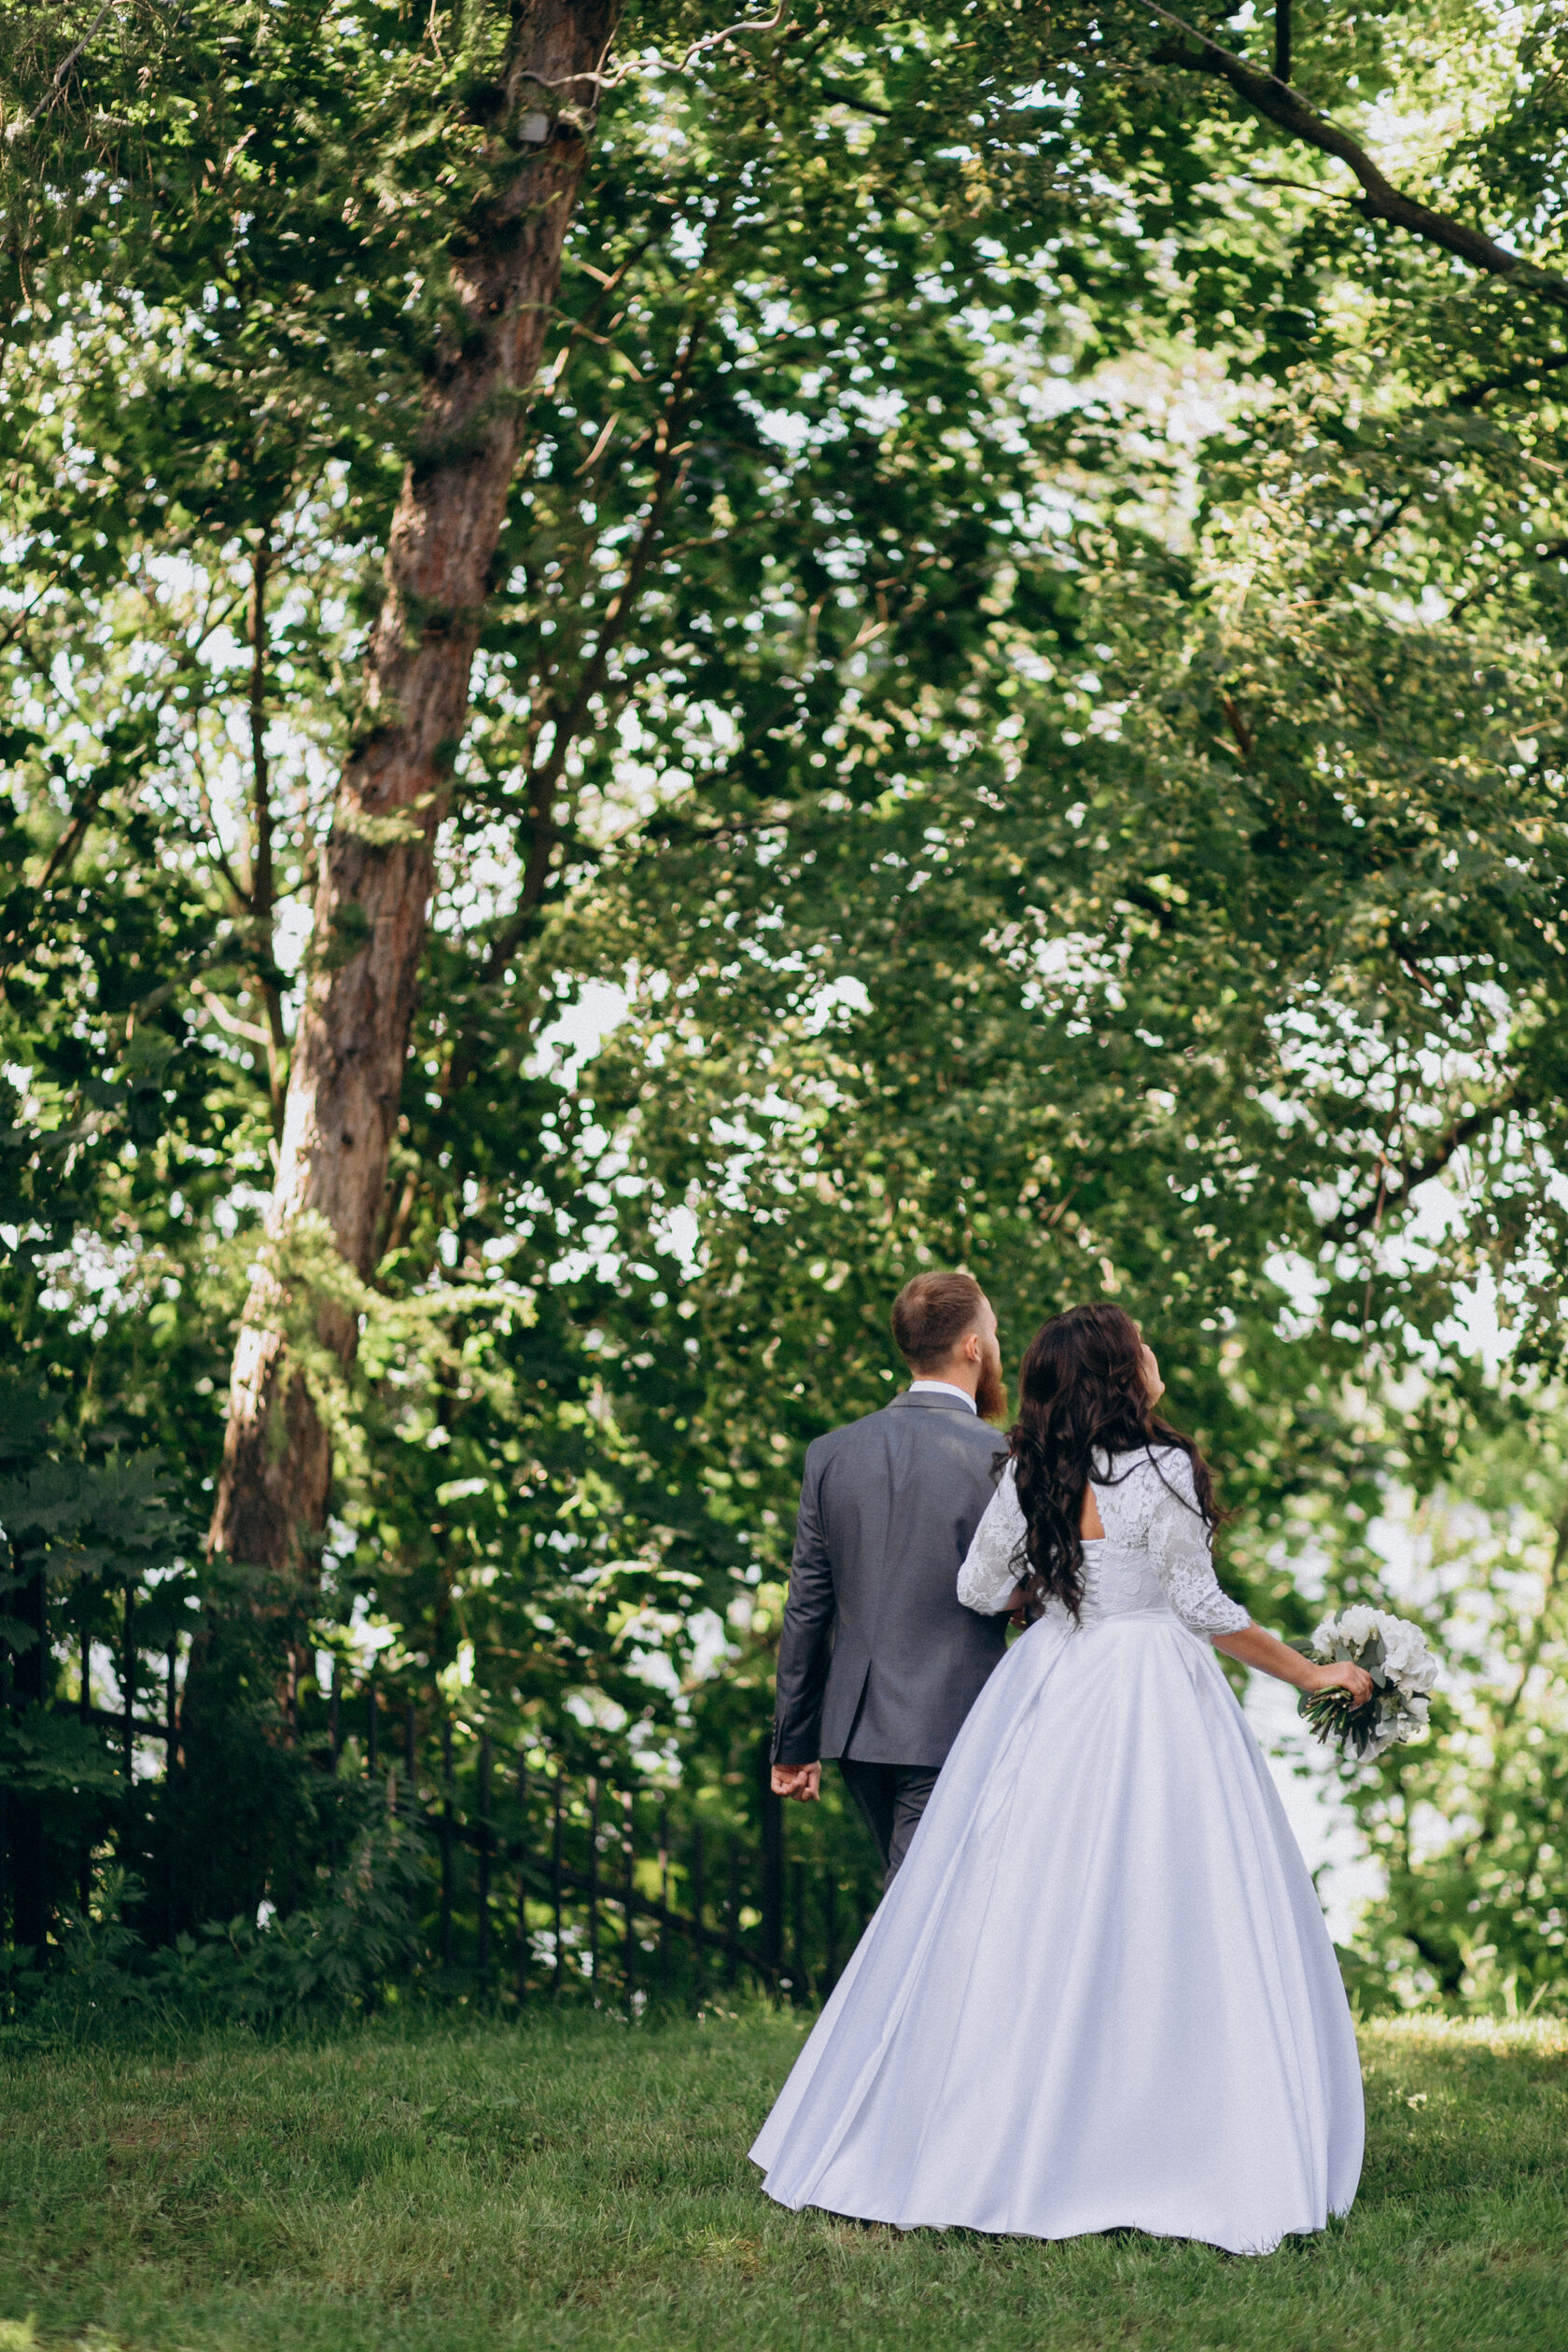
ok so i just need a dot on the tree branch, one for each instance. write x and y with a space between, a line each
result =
842 97
1273 98
212 840
263 892
1552 553
1417 1172
1281 41
1239 728
57 80
1525 373
544 833
62 857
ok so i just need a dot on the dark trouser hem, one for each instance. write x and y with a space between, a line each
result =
890 1799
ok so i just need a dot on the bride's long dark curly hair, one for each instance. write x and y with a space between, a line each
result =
1081 1392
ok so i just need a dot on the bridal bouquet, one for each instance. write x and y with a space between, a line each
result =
1402 1670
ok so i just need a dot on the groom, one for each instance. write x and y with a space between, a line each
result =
878 1660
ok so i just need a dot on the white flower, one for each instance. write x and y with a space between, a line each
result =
1408 1662
1405 1668
1354 1628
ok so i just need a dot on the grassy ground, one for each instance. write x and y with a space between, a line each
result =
573 2184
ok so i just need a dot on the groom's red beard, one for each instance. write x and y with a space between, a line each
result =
990 1397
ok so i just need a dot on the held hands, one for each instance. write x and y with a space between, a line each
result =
800 1780
1342 1677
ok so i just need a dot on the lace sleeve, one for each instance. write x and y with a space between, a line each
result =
1179 1548
989 1573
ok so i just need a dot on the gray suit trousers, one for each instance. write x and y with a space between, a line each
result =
890 1797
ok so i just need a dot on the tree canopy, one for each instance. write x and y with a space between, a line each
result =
1022 671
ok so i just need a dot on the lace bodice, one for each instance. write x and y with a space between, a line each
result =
1153 1555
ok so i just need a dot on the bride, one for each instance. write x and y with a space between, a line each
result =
1099 1993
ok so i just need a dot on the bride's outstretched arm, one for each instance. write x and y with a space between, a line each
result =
1262 1651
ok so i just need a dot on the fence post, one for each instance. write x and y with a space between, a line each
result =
84 1867
4 1824
481 1955
773 1869
593 1885
664 1898
699 1947
170 1758
447 1829
334 1749
556 1879
30 1894
128 1690
523 1877
732 1915
628 1809
411 1775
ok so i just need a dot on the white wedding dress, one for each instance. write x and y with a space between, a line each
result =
1099 1993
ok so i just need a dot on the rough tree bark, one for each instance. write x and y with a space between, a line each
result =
373 899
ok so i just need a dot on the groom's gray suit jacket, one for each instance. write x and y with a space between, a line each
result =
878 1658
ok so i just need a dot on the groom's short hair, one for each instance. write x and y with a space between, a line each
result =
931 1314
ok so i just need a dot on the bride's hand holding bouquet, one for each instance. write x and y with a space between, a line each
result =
1353 1680
1372 1680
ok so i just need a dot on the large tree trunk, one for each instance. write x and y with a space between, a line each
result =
372 902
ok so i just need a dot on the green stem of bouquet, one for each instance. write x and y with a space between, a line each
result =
1334 1717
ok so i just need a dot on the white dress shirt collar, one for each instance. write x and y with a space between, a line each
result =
944 1387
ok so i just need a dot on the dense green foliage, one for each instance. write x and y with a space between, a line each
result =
586 2187
1027 651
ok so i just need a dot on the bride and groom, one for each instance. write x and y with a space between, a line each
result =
1098 1992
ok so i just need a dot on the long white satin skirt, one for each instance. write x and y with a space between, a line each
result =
1099 1993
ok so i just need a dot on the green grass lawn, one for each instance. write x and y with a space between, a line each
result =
572 2183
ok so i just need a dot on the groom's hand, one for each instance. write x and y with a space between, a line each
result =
801 1781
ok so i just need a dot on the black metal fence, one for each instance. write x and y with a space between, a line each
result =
561 1883
28 1894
